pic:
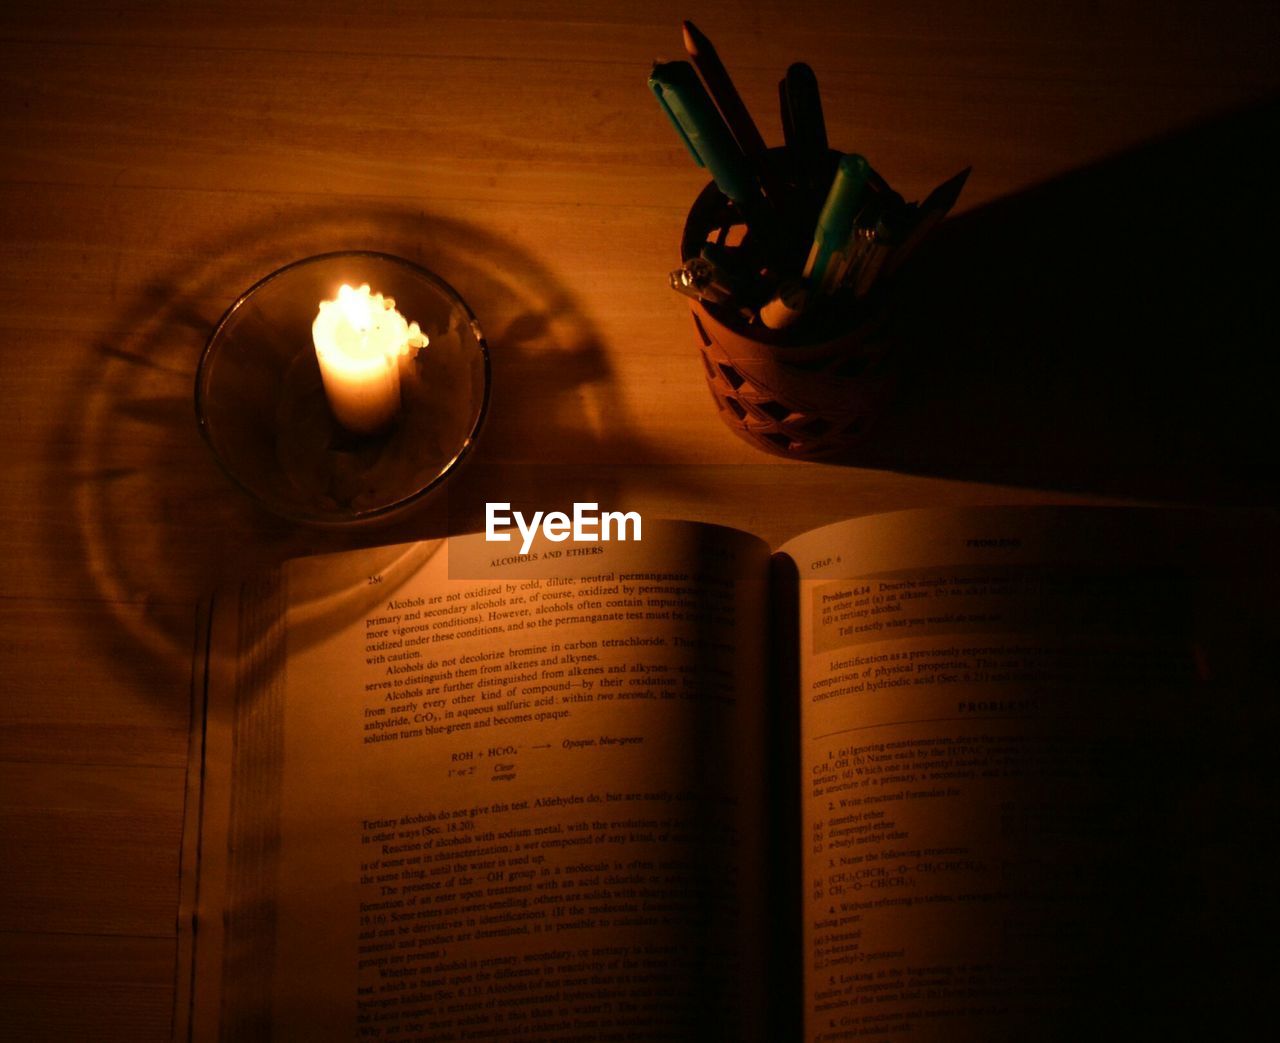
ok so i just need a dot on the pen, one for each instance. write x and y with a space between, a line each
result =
864 277
787 305
930 212
705 134
803 125
835 223
704 279
700 280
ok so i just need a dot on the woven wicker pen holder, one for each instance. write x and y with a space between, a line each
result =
780 391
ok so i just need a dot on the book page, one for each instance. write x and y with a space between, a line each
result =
1000 714
525 805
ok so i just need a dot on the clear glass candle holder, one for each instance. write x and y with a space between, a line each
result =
261 406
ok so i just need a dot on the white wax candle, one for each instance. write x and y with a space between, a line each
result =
359 339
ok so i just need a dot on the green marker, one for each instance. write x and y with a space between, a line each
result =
835 223
705 134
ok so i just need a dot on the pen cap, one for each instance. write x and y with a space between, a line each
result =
659 84
803 124
835 222
690 108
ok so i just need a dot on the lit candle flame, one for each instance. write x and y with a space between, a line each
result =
359 339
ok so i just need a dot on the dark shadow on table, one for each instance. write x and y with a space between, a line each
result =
157 533
1113 331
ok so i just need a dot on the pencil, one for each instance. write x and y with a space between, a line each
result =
723 91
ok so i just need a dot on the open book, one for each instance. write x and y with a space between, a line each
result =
969 774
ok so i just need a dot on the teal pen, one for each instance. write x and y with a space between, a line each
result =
835 223
704 132
865 240
845 263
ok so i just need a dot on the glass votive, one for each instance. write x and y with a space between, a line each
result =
261 404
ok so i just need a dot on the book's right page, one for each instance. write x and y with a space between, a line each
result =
1031 798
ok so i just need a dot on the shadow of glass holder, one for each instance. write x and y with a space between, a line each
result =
811 390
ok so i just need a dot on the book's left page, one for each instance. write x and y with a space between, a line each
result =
470 794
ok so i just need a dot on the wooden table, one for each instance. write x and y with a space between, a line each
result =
156 159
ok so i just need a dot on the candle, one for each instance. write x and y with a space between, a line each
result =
360 339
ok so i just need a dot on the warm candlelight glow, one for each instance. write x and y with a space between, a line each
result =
360 339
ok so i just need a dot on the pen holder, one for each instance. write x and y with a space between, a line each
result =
798 394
